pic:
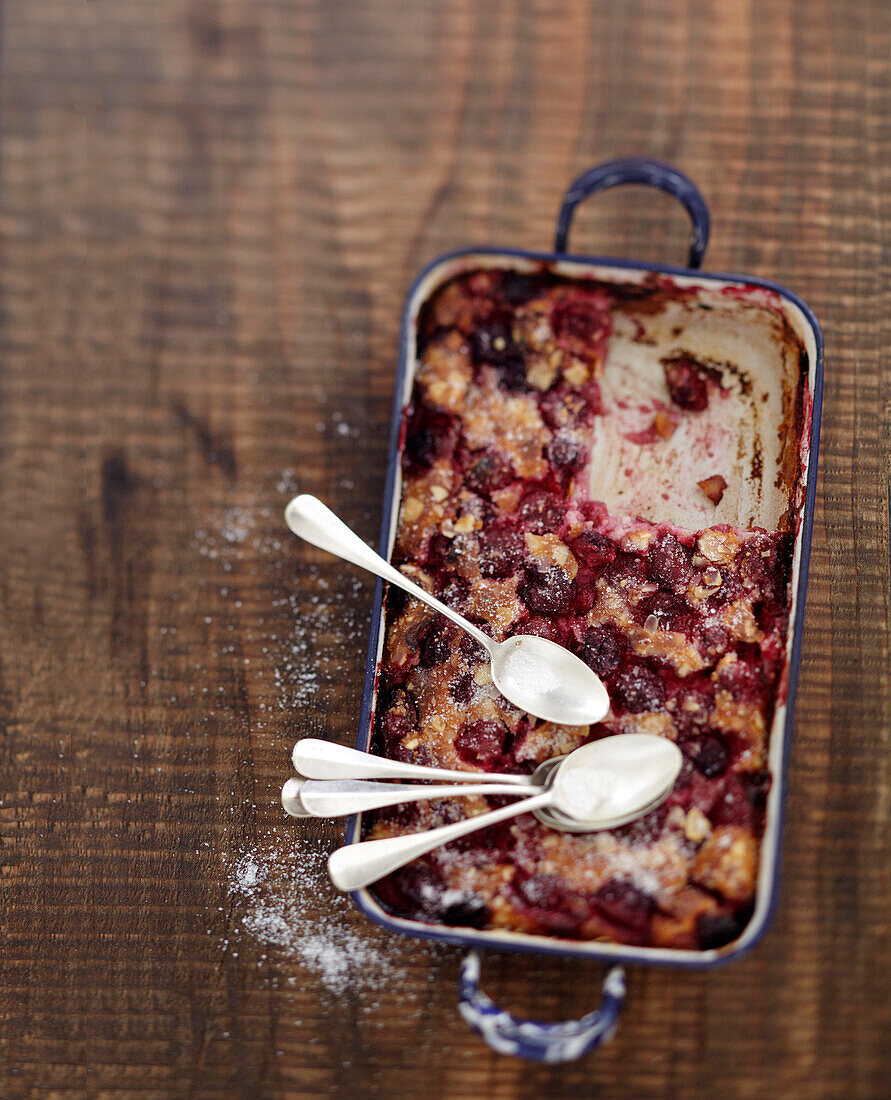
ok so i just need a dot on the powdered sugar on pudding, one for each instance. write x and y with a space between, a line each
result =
500 518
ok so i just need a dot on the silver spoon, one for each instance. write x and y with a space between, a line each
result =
601 785
538 676
291 800
317 759
341 797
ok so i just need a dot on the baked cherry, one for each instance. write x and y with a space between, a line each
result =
562 407
744 678
517 289
639 688
566 454
469 648
602 650
686 383
669 563
437 644
542 891
548 593
734 806
452 588
623 903
580 322
585 589
401 716
718 929
555 630
429 435
491 341
512 372
461 690
671 611
542 512
487 471
502 550
710 754
593 549
466 911
481 742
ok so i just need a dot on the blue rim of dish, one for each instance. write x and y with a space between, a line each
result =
589 949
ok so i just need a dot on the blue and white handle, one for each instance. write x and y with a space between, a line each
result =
651 173
539 1042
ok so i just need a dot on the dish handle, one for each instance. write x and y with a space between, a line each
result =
651 173
538 1042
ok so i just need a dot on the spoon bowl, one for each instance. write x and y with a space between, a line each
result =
538 676
638 772
545 679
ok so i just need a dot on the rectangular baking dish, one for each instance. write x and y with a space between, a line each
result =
737 293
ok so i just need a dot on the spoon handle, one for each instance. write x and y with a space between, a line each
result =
357 865
313 521
291 802
340 797
317 759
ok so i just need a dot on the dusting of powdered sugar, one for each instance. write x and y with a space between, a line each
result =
298 647
284 900
328 625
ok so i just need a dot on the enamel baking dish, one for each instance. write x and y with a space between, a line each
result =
772 474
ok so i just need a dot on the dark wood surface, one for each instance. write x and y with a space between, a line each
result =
209 213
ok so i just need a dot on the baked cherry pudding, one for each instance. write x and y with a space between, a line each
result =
686 628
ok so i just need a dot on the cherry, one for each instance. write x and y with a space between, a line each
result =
668 563
401 716
627 571
672 611
517 289
541 512
579 321
686 384
512 373
554 630
585 589
711 755
602 650
481 742
441 553
550 593
714 639
461 690
436 646
566 454
623 903
593 549
452 588
466 911
429 435
562 407
734 806
491 341
542 891
744 678
487 471
718 929
502 550
469 648
639 688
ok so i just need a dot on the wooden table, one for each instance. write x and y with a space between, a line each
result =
209 213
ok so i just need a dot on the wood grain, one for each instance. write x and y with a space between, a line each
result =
209 213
